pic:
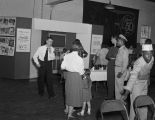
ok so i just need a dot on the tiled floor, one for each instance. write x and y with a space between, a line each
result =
19 101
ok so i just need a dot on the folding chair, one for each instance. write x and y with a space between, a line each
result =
144 101
113 110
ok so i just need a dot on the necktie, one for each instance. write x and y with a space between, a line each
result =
46 55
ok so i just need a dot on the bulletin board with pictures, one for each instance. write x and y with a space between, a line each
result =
7 26
7 35
7 46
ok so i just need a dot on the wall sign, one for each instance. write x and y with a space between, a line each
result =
145 33
23 40
96 43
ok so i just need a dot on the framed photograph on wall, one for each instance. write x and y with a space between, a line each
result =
7 46
145 33
7 26
96 43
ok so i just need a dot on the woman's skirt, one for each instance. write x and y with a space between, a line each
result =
73 89
86 94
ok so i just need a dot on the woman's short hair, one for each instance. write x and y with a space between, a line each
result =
48 37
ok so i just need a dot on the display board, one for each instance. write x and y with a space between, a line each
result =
23 40
96 43
7 35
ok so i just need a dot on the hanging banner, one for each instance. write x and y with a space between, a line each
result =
23 40
96 43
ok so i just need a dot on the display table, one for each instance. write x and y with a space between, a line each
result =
98 75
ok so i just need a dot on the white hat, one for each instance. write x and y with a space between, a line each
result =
147 47
123 37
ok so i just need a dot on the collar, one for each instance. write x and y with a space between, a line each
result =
152 59
75 52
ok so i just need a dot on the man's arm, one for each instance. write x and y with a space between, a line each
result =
134 75
133 78
125 61
35 58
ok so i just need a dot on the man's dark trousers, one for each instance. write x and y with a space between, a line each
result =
45 78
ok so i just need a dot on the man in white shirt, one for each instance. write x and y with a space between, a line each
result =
121 64
43 58
139 79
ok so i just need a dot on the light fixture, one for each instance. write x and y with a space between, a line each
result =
109 6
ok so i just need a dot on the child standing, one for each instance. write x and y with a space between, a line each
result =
86 93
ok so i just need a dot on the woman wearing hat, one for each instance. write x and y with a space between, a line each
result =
74 65
138 81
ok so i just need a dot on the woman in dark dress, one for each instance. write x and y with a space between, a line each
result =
111 56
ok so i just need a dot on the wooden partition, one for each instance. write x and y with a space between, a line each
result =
17 65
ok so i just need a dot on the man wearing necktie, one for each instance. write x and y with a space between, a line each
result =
43 58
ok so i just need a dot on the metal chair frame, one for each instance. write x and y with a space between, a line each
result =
114 106
142 101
